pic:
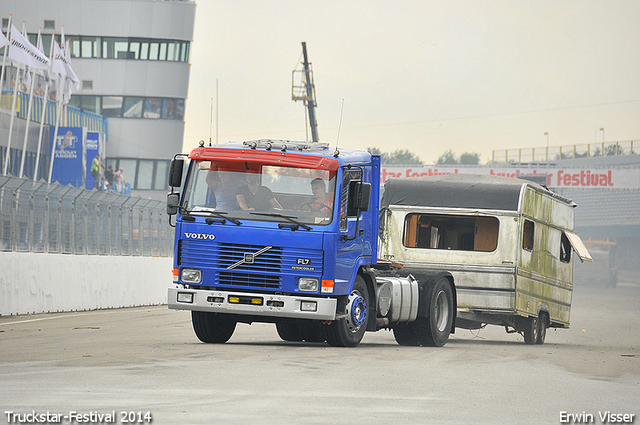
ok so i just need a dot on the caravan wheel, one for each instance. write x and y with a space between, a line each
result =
542 328
531 330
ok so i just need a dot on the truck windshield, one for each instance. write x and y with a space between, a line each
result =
241 188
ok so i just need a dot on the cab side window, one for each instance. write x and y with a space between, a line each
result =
347 177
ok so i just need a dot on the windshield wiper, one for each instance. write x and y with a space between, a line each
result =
219 214
286 217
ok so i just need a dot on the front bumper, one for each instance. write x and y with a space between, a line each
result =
217 301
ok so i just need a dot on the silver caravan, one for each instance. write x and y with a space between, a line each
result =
507 244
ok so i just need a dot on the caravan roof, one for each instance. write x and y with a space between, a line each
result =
460 191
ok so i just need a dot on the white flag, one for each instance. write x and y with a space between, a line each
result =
47 79
26 78
4 41
62 66
23 51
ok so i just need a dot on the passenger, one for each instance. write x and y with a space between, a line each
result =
224 188
323 201
254 197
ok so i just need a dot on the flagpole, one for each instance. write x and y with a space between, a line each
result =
55 133
13 109
4 56
45 101
26 130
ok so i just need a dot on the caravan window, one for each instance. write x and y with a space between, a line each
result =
454 232
565 249
527 235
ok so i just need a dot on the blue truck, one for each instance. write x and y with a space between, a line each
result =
287 233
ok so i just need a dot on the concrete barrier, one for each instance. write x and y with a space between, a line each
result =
40 283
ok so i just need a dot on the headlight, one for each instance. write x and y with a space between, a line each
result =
308 284
191 275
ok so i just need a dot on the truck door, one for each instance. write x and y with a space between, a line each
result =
350 243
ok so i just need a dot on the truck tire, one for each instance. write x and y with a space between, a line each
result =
288 331
542 328
311 331
405 334
434 326
348 332
212 328
531 330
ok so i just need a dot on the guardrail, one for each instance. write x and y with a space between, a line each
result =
51 218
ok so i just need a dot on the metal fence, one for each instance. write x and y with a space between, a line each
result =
70 116
51 218
551 153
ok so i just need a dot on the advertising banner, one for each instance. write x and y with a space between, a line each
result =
553 177
92 146
67 163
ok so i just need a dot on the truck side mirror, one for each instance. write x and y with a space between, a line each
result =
175 172
359 197
364 197
173 199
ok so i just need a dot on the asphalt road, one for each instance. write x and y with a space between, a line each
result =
148 360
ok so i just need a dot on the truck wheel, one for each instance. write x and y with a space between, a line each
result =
212 328
312 331
531 330
405 334
288 331
434 327
542 328
348 332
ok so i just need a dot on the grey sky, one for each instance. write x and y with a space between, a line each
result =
471 76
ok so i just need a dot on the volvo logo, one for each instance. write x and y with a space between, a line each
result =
249 257
199 236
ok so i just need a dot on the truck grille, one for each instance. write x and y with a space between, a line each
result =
260 271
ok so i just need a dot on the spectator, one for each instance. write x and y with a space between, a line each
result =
109 177
96 171
119 180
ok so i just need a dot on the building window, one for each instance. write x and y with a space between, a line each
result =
153 51
91 104
49 24
87 84
162 175
111 106
152 107
132 107
89 47
145 174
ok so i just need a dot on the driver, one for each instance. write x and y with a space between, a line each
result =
323 201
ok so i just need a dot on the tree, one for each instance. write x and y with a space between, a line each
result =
470 158
448 157
399 156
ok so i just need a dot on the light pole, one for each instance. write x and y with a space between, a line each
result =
210 118
546 133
